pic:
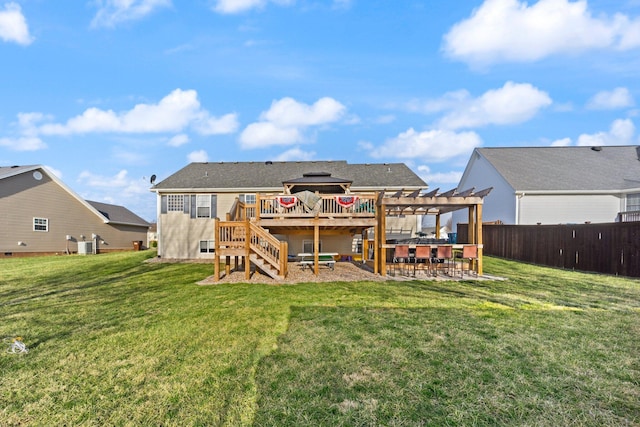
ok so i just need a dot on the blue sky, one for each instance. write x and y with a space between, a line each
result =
106 93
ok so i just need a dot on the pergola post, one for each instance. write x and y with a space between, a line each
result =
438 225
479 237
471 231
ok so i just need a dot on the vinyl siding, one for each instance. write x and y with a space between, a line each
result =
22 198
568 209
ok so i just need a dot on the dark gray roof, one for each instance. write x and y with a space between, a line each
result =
271 175
118 214
6 171
567 168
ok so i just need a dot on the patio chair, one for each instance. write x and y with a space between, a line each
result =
444 255
423 256
469 255
400 257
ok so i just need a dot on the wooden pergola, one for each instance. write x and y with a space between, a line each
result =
431 203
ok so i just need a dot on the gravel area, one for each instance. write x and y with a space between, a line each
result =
343 272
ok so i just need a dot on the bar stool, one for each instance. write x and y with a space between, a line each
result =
400 256
445 253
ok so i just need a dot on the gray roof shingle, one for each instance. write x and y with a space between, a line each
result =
612 168
270 175
118 214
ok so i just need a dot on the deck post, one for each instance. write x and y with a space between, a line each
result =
257 208
316 245
380 238
247 249
284 258
216 249
365 245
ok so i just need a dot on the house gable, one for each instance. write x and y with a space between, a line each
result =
31 194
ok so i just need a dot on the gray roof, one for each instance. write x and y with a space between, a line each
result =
118 214
271 175
6 171
607 168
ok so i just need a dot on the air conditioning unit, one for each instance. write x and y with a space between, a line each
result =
85 248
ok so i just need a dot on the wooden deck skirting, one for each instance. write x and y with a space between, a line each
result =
243 235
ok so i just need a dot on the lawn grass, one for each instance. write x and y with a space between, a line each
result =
115 341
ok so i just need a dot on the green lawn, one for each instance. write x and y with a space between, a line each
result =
115 341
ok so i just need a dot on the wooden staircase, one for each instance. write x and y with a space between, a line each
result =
251 241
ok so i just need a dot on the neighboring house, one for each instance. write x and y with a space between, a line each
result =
189 200
554 185
41 215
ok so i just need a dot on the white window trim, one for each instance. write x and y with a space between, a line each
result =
45 223
210 246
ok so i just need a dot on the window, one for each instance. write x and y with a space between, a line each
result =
249 199
633 202
203 206
207 246
175 203
307 246
40 224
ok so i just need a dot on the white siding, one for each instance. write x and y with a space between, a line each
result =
181 235
563 209
500 204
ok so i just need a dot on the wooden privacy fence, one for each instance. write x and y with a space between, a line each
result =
610 248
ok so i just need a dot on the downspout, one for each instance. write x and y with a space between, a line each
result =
519 196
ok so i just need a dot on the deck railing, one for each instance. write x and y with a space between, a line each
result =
327 205
268 248
232 235
630 216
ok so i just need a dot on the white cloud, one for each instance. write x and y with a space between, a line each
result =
239 6
437 178
620 97
286 121
178 140
432 145
512 103
198 156
621 132
174 113
13 25
513 30
23 143
113 12
266 134
288 112
207 125
117 187
295 154
564 142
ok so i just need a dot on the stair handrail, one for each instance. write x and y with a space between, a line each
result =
268 247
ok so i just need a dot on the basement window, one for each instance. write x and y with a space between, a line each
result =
207 246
